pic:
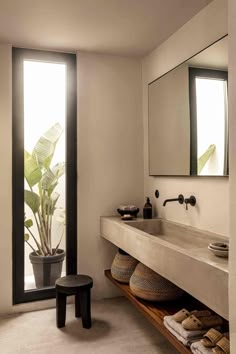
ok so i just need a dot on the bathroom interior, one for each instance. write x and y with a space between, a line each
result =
118 176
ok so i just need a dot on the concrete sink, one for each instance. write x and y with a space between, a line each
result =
176 234
177 252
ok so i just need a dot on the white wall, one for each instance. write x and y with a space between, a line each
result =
110 154
212 210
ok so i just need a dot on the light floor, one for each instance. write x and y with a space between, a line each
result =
118 328
30 281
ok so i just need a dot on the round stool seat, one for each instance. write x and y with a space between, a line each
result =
71 283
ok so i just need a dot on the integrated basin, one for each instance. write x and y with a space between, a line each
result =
176 234
178 252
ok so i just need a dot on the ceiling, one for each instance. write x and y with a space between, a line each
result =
121 27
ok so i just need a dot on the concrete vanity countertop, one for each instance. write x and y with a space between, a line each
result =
178 252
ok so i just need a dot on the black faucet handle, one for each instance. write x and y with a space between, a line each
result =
191 200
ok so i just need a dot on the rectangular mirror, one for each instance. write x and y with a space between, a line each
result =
188 116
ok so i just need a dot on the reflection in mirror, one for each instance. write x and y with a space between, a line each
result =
208 106
188 116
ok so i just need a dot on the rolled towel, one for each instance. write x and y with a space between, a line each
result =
184 336
199 348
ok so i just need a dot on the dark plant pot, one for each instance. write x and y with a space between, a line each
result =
47 269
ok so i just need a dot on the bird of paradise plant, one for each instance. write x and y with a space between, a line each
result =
41 196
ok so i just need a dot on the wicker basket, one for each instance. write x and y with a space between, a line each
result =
148 285
123 267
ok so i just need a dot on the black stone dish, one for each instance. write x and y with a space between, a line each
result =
132 212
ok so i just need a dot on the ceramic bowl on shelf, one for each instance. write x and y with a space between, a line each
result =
222 246
219 252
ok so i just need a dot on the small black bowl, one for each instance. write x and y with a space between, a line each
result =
133 212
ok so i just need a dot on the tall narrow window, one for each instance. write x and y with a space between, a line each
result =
44 171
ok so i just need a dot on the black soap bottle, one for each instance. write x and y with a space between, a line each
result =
147 209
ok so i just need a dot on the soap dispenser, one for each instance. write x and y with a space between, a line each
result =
147 209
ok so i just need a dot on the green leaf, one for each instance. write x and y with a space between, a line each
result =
28 223
32 170
47 179
50 203
53 201
26 237
54 133
44 149
59 169
54 198
204 158
51 188
32 200
51 177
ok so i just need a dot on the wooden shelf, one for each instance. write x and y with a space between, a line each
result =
155 312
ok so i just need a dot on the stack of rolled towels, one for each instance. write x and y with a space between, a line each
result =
199 330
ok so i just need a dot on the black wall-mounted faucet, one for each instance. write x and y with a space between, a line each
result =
180 199
191 200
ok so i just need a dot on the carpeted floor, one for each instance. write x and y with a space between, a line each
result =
118 328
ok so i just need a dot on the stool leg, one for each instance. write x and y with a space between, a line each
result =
61 309
77 305
85 308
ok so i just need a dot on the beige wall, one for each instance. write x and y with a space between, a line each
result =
110 153
110 162
5 179
169 124
212 210
232 115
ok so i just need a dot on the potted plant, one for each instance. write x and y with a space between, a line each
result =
41 197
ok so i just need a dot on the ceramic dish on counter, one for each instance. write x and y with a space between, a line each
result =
219 252
222 246
127 217
130 210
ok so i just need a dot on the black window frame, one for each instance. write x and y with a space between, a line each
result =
207 74
18 56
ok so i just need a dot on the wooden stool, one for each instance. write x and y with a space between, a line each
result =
78 285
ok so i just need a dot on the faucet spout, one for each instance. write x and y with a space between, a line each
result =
180 199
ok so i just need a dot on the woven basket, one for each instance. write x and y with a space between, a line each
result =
148 285
123 267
